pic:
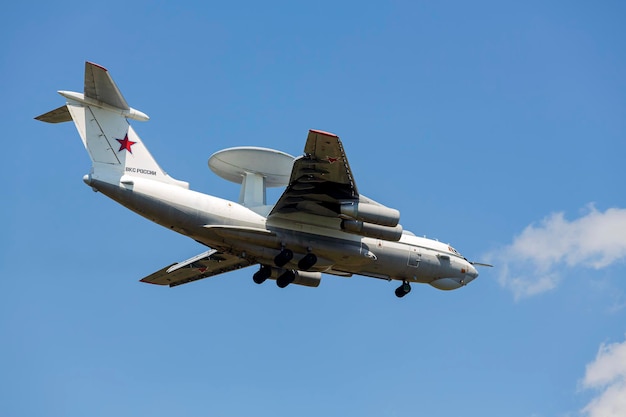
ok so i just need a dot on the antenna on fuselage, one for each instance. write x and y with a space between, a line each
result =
256 169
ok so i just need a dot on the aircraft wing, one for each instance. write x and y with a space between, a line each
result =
205 265
320 180
322 192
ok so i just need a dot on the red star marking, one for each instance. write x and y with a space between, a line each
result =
332 160
125 144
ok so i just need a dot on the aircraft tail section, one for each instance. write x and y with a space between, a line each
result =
100 116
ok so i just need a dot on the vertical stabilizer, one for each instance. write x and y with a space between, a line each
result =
100 116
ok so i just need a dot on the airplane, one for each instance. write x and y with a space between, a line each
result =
320 224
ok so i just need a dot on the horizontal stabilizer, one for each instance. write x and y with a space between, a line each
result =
100 86
59 115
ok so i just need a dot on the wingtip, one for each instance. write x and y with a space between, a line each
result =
146 281
89 63
321 132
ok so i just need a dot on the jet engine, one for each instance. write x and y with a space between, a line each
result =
371 213
375 231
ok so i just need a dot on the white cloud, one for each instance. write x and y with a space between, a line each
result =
531 264
607 373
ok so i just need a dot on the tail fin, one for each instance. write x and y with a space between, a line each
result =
100 116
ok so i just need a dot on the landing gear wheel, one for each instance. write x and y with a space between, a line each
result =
403 289
285 279
283 258
307 262
262 274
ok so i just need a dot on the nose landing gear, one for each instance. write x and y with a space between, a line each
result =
403 289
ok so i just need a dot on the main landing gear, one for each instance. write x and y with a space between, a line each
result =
403 289
262 274
265 272
285 279
288 276
283 258
307 262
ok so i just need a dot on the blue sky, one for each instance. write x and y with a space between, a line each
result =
499 127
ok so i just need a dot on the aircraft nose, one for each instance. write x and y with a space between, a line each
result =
470 275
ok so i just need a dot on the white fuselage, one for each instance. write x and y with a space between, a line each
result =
224 225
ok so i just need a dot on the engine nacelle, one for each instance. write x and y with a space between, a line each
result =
375 231
308 279
371 213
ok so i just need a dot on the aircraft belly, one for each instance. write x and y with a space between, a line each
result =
331 252
391 260
401 261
